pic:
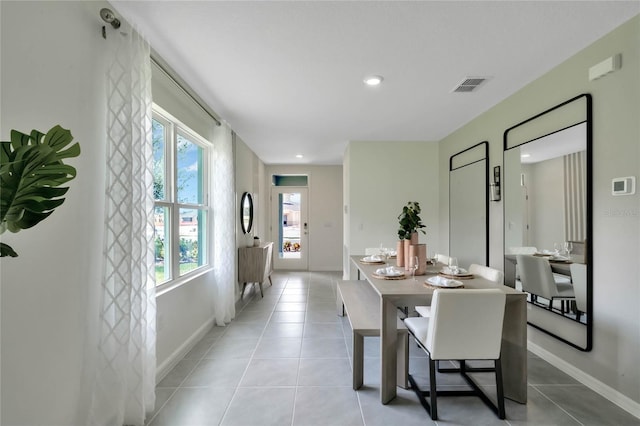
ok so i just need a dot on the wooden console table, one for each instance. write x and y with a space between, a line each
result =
255 265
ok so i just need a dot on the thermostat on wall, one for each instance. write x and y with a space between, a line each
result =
623 186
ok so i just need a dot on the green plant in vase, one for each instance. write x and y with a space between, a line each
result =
410 221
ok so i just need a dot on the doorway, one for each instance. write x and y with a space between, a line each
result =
290 227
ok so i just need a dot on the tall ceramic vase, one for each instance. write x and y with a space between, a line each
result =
400 253
419 251
407 248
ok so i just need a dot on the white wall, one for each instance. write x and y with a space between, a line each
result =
382 178
616 220
325 212
52 73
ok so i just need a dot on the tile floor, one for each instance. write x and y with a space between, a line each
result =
285 360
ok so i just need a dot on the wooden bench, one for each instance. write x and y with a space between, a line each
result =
362 305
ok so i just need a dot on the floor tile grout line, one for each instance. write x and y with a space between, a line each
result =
304 326
244 373
161 407
556 404
180 385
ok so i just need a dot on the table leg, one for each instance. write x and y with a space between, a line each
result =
514 349
388 350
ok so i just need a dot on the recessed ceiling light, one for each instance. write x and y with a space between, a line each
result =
373 80
299 155
525 156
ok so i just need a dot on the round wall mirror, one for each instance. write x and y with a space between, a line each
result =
246 212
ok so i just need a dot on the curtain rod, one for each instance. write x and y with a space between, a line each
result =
166 70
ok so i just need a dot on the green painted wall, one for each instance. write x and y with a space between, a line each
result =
616 224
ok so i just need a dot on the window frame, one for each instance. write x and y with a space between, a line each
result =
173 128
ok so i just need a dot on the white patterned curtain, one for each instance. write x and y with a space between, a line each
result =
224 243
124 371
575 196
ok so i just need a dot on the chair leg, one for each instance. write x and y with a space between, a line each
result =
261 294
242 292
432 389
499 389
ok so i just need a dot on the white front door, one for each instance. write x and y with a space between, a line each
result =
290 227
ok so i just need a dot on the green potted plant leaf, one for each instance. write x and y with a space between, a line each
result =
31 172
410 221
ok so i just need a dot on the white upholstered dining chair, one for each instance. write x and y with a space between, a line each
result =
465 324
538 280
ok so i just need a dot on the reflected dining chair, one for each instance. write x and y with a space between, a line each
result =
579 279
494 275
579 251
466 324
538 280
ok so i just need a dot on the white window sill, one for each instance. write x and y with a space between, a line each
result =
179 282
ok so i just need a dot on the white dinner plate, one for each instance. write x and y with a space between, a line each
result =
439 281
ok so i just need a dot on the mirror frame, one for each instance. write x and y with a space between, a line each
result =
246 198
455 166
589 208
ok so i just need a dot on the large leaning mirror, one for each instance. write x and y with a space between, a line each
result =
246 212
469 206
547 219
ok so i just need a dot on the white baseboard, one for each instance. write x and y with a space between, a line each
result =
591 382
167 365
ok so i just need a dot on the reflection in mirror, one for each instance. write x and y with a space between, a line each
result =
246 212
468 206
547 218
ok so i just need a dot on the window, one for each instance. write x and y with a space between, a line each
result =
180 172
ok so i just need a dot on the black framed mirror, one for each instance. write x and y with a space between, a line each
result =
246 212
469 206
547 195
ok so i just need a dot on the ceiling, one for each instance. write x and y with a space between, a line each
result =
288 76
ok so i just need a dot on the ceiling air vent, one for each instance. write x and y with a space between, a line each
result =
469 84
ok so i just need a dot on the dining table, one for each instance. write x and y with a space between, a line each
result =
410 291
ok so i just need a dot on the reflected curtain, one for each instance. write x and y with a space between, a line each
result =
575 196
124 363
224 243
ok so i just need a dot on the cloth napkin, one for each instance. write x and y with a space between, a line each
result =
374 258
443 282
389 271
448 271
